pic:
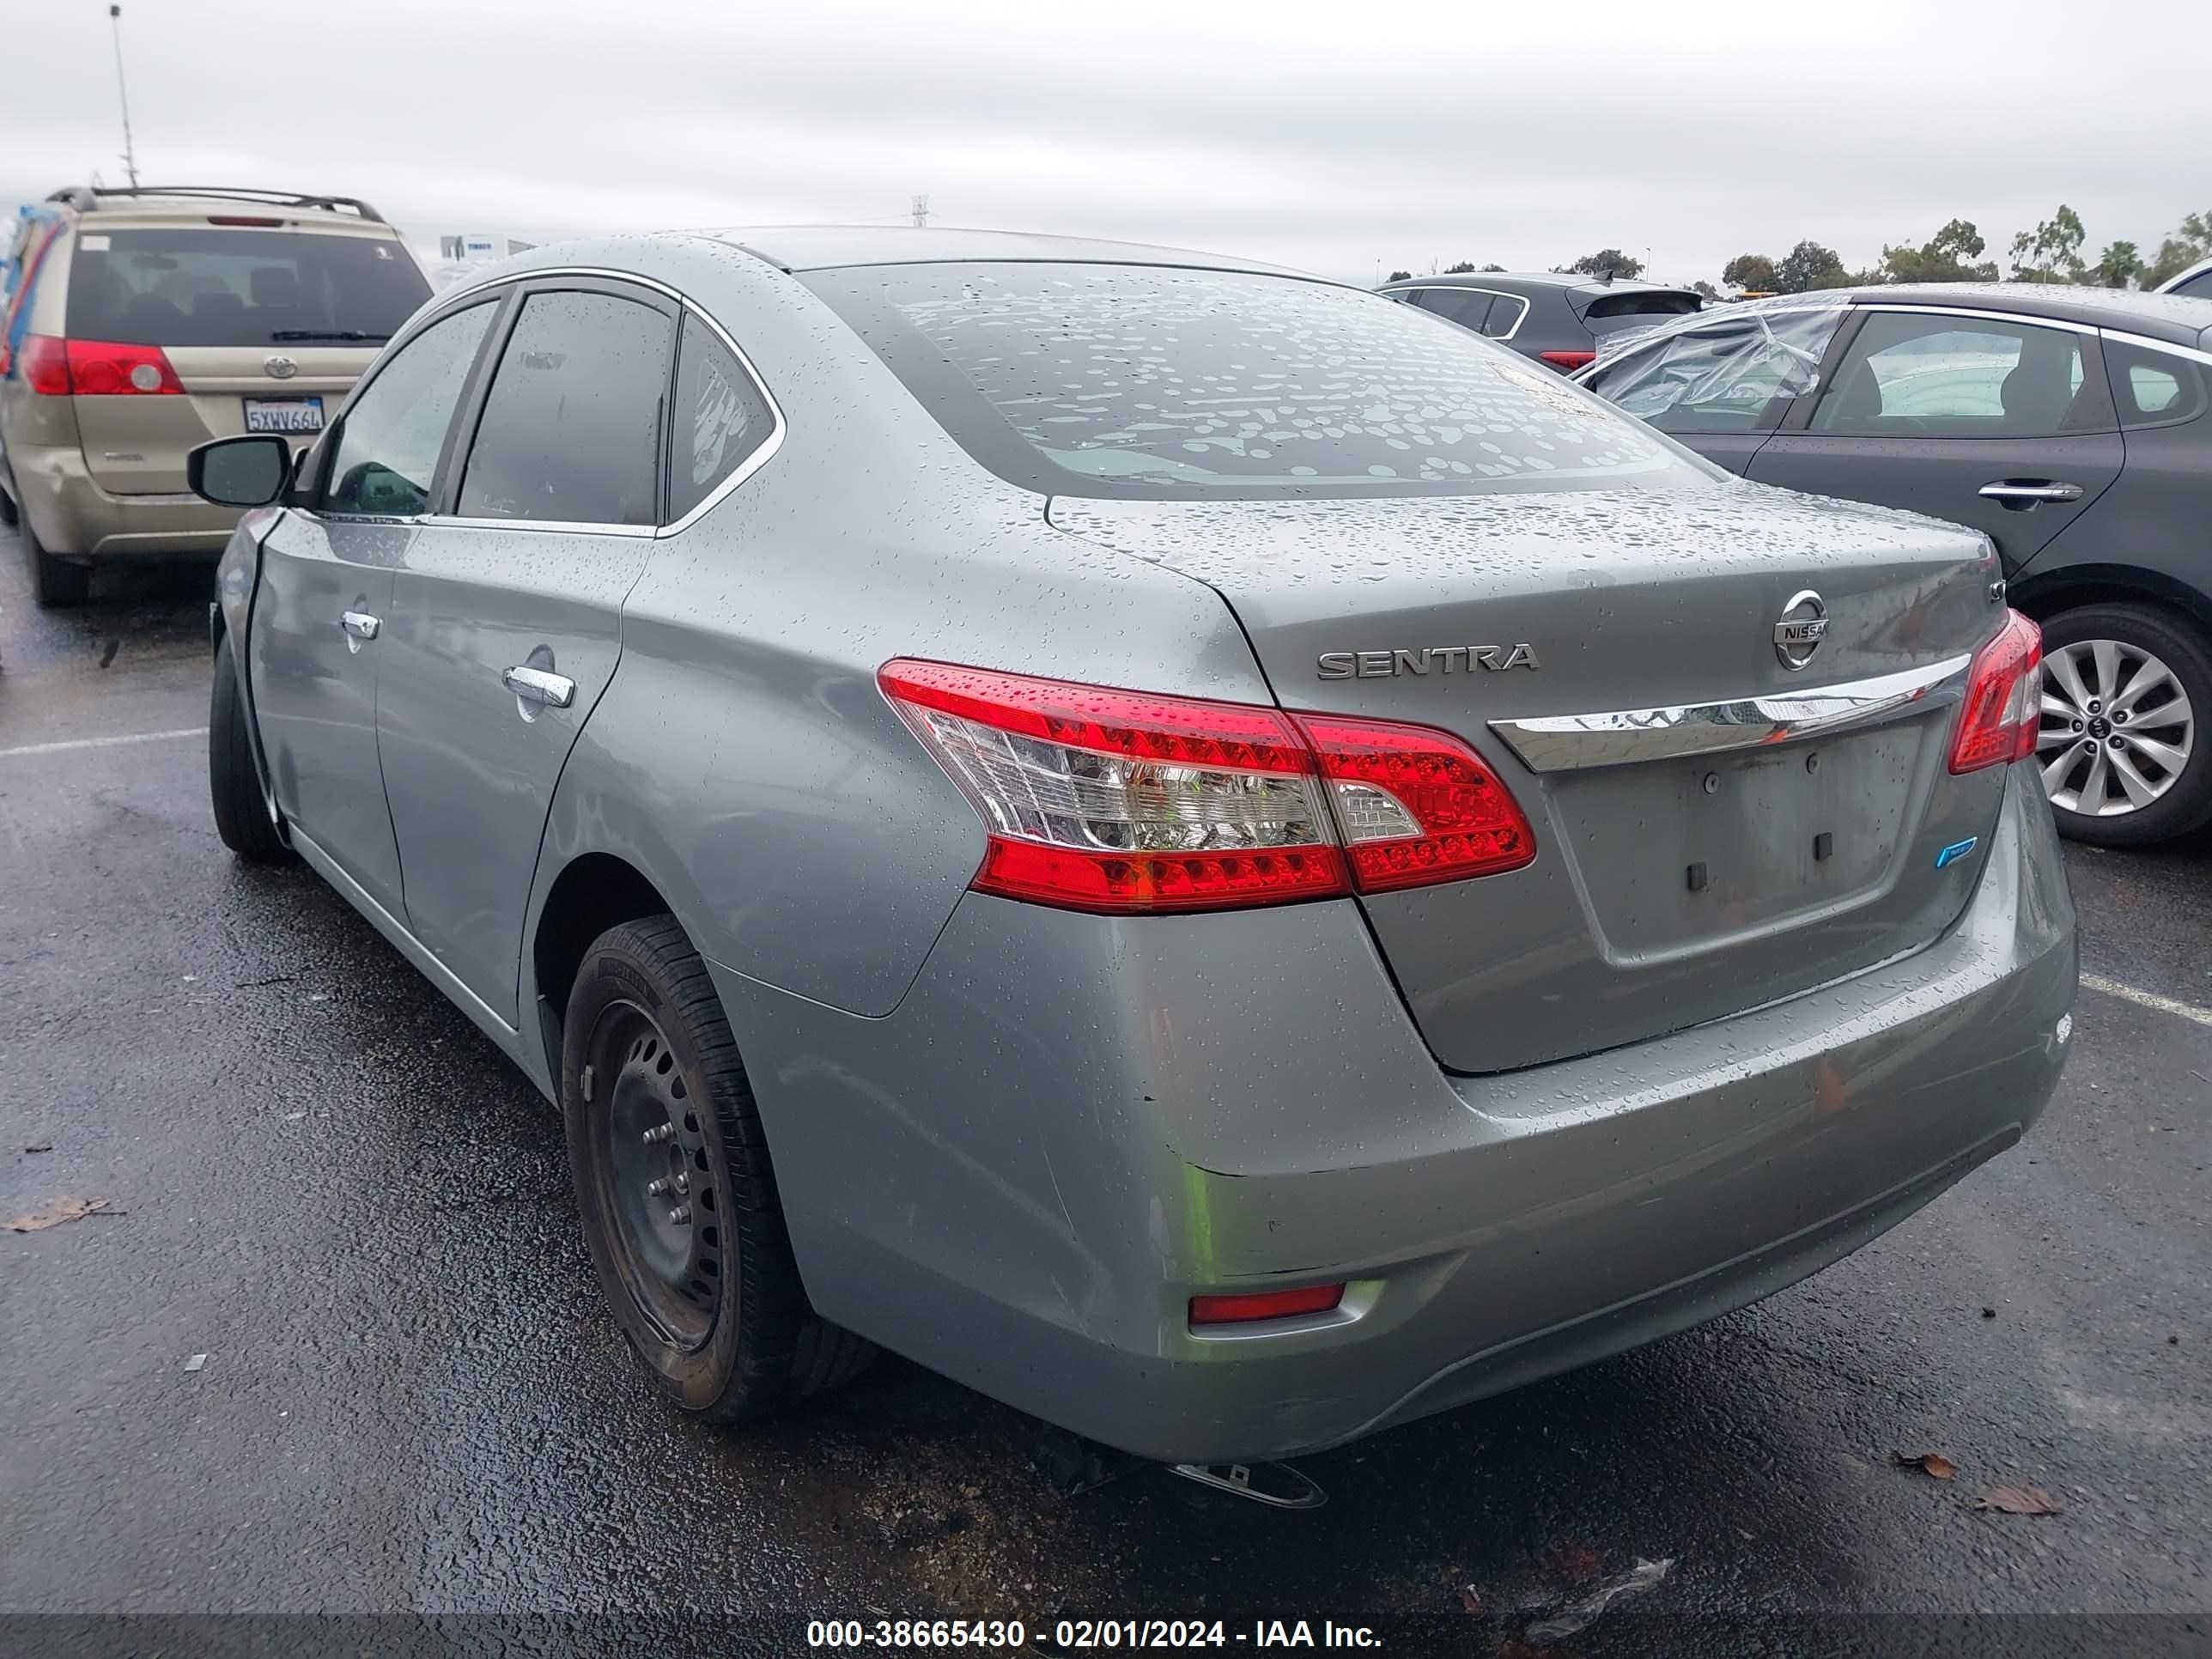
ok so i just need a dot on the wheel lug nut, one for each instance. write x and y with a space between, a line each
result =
2113 742
681 1184
2096 705
654 1137
679 1215
2077 726
656 1188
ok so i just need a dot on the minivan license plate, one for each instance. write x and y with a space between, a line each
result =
284 414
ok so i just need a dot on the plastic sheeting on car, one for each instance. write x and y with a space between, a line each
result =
1727 366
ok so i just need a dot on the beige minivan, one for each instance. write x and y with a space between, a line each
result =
139 323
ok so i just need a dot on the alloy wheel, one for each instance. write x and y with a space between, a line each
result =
2116 732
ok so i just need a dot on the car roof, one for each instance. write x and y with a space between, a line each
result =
2167 316
1564 281
2181 276
823 247
198 202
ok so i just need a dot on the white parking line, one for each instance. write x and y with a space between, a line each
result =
2112 987
104 742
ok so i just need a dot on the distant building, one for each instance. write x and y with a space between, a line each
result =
473 247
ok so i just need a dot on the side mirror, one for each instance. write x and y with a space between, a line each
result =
249 472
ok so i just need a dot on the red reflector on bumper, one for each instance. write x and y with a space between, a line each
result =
1264 1304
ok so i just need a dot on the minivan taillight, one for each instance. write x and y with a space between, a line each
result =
2002 713
45 362
1126 802
104 368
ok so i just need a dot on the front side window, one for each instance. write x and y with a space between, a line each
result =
2198 286
1910 374
1721 377
721 418
389 442
211 286
571 428
1144 381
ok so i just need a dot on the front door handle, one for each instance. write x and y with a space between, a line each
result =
2021 493
360 624
536 685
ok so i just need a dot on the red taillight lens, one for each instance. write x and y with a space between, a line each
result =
2000 716
44 363
1264 1304
245 219
103 368
1124 802
1415 805
1568 362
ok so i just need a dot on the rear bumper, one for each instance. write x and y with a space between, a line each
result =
74 516
1070 1124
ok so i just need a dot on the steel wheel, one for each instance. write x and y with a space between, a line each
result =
659 1180
2117 730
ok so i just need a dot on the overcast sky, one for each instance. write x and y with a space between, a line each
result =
1344 138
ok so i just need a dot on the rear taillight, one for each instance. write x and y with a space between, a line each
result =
44 363
104 368
1126 802
2001 715
1567 361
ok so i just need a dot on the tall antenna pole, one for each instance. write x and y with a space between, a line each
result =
122 96
920 211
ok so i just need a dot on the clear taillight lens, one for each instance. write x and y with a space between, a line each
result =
1125 801
1999 720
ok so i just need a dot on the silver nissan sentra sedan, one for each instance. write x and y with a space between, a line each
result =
1209 854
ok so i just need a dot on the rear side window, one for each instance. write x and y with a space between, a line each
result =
721 418
1909 374
184 287
2198 286
571 428
390 440
2154 388
1468 306
1720 376
1147 381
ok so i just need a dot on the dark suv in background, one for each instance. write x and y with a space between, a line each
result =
1554 317
2069 424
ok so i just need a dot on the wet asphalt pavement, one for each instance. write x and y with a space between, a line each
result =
324 1180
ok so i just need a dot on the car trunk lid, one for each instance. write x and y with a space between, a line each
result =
1562 634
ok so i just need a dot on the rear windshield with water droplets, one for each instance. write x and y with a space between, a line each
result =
1134 380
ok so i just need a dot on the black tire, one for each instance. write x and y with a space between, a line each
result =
241 814
2187 803
713 1306
57 583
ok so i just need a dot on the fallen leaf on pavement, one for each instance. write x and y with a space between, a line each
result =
57 1211
1471 1598
1932 1464
2019 1500
1572 1562
43 1146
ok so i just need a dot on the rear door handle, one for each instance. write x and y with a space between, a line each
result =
2021 494
536 685
360 624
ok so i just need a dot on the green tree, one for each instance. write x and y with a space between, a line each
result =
1808 266
1705 290
1493 267
1750 273
2119 264
2180 250
1605 259
1401 276
2051 252
1952 254
1460 269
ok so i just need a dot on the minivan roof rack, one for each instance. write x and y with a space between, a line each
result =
88 197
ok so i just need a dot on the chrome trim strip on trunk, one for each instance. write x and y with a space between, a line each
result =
1563 742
